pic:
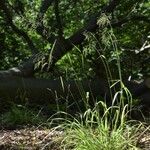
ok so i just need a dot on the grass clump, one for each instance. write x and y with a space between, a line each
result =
94 131
19 115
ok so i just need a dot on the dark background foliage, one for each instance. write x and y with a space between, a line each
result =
32 27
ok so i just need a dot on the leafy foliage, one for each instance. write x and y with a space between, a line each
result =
20 115
66 18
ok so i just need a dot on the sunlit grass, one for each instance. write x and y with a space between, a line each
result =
100 128
87 134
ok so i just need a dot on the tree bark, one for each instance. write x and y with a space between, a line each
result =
47 91
44 91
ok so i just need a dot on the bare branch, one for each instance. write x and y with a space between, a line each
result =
144 47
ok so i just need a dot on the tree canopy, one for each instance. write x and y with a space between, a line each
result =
46 30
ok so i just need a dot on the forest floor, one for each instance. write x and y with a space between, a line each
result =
34 138
30 139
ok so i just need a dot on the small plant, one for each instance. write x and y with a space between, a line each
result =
20 115
103 127
93 131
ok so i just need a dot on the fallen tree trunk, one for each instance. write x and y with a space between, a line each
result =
44 91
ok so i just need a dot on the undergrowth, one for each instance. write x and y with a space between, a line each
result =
100 128
19 115
104 127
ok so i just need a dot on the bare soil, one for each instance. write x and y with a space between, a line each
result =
47 139
30 139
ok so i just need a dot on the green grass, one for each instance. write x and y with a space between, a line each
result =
91 131
19 115
98 128
103 127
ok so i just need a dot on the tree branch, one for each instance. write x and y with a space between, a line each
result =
41 30
25 69
58 19
21 33
64 46
45 5
91 26
131 18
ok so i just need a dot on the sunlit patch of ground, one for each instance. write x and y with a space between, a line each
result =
46 139
144 141
30 138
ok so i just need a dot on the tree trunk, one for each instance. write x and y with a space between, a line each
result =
44 91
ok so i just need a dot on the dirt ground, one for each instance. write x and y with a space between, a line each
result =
46 139
30 139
